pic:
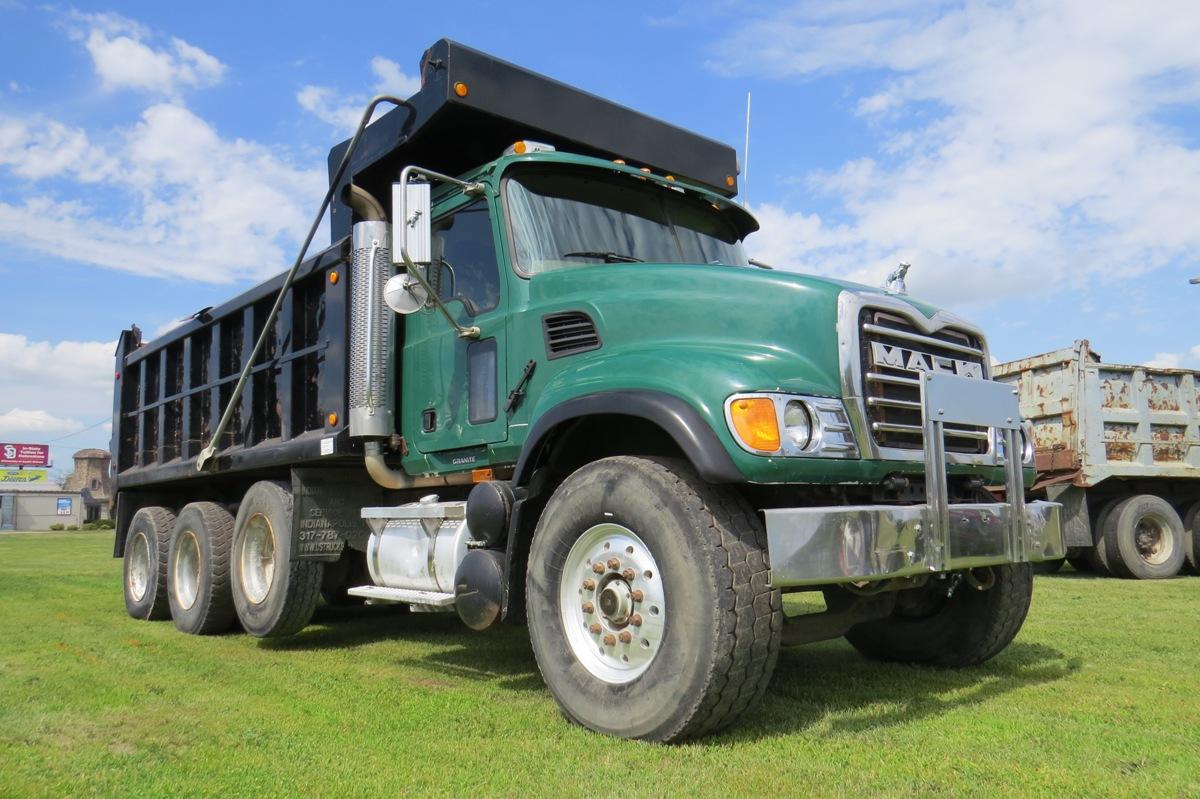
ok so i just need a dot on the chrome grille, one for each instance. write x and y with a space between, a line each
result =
894 352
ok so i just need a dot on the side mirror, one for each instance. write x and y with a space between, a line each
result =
411 223
404 294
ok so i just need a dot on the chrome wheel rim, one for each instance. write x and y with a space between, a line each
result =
185 572
257 559
1153 540
612 603
139 567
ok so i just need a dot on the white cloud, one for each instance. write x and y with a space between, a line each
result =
1177 360
24 425
1022 145
46 388
344 111
189 202
125 56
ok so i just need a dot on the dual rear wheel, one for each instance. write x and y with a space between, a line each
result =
206 569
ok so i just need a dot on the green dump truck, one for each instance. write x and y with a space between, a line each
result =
534 378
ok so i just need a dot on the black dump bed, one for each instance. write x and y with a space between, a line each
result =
504 103
170 393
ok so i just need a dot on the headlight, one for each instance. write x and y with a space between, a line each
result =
797 425
790 425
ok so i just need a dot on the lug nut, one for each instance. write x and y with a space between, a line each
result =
637 595
625 636
594 629
610 640
588 607
614 564
628 574
636 620
598 568
589 585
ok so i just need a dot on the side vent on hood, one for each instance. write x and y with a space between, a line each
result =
569 333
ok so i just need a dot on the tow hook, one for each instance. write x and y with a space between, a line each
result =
974 580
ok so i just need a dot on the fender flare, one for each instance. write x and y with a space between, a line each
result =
683 423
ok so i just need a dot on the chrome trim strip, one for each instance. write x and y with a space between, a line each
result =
919 339
894 403
892 427
900 381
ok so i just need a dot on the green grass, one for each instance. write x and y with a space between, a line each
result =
1099 695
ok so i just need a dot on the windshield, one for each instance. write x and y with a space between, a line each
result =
571 216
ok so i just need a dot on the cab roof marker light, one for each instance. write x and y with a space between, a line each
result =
525 146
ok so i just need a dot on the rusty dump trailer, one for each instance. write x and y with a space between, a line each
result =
1119 447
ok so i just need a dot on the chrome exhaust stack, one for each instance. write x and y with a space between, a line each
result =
372 376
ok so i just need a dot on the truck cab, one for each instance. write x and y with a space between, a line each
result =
538 305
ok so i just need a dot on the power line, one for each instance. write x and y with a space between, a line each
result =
77 432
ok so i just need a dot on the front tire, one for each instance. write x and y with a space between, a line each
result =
145 564
673 630
275 594
967 628
198 570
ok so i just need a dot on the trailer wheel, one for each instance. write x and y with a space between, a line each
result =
275 595
650 606
966 628
1191 526
1144 538
198 570
146 546
1097 556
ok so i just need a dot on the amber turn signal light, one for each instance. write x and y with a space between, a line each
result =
755 423
460 89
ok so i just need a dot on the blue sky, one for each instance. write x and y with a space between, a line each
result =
1038 163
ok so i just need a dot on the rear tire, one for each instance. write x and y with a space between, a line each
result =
147 544
1097 557
692 566
1191 526
965 629
198 570
1144 538
274 594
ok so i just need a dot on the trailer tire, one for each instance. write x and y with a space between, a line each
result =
274 593
708 627
1144 538
198 572
147 544
1097 556
1191 526
965 629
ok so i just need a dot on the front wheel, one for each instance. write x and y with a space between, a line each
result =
650 606
938 627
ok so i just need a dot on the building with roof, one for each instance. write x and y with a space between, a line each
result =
37 503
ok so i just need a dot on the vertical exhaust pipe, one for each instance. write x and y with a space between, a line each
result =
372 375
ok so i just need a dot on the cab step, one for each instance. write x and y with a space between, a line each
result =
406 595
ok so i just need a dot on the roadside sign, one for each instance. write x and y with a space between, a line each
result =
64 506
24 476
24 454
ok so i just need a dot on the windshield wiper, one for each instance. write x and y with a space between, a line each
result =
607 257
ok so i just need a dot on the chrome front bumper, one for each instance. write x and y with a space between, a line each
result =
814 546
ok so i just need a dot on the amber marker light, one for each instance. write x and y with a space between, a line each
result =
620 161
482 475
332 418
755 423
729 181
460 89
333 277
519 148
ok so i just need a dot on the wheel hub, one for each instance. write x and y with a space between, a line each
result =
612 603
257 558
1152 542
139 567
187 570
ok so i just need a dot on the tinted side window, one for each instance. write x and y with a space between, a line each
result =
465 254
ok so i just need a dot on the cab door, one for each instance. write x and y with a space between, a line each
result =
451 386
